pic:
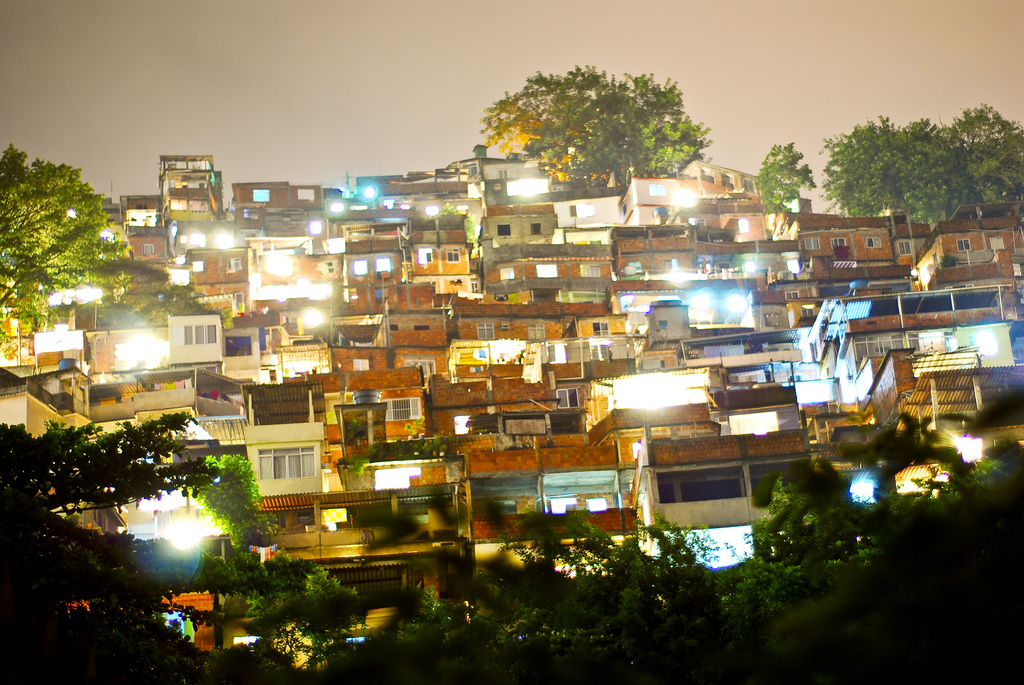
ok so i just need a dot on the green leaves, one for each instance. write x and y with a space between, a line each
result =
587 128
50 225
233 500
782 177
924 168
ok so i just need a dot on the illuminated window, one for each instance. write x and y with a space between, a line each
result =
453 255
426 255
403 409
305 194
504 229
584 210
963 245
179 205
461 425
198 206
382 264
905 247
261 195
394 479
995 243
507 274
567 397
287 462
812 244
561 505
744 225
485 331
198 266
547 271
671 264
359 267
590 271
656 190
360 364
234 264
250 213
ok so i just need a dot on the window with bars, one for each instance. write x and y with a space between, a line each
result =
287 462
403 409
200 335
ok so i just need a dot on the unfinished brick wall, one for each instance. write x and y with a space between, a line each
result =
615 521
727 448
527 459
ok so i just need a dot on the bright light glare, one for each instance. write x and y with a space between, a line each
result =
394 479
312 318
337 207
527 187
72 213
335 245
186 534
225 241
862 490
279 264
316 227
736 303
107 234
793 265
432 210
685 198
750 267
197 239
369 192
142 348
700 302
969 448
657 390
987 344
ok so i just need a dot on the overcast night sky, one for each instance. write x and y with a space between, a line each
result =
305 91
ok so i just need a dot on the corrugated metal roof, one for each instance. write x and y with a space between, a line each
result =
227 430
954 389
355 498
286 403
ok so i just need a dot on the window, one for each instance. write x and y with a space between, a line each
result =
287 462
567 397
584 210
359 267
403 409
148 248
744 225
198 206
838 242
237 346
534 229
179 205
656 190
995 243
590 271
963 244
453 255
427 366
425 255
200 335
771 320
634 268
874 241
382 264
360 364
535 331
876 346
485 331
250 213
748 186
305 194
792 294
601 328
547 271
198 266
700 485
507 274
461 424
671 264
905 247
329 266
504 229
812 244
234 264
1016 270
261 195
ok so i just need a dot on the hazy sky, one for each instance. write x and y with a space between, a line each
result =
305 91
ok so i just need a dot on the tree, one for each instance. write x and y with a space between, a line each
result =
234 504
50 226
95 599
924 168
782 177
587 128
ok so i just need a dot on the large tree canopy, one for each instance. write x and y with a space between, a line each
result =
924 168
588 128
50 225
782 177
